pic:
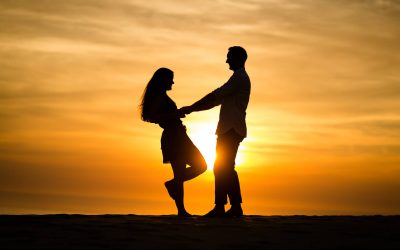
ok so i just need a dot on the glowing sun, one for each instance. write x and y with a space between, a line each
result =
207 148
203 136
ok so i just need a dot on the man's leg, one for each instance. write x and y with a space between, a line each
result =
226 178
220 186
224 163
175 186
231 180
233 184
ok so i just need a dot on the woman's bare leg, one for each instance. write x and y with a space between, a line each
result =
176 187
197 165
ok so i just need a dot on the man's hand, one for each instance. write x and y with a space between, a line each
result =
185 110
180 114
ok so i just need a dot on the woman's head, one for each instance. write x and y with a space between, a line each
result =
162 79
160 82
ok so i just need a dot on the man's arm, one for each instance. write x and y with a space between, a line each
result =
207 102
214 98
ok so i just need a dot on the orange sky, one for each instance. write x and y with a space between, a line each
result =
323 119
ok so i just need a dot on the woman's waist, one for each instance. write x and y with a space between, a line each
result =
173 132
173 125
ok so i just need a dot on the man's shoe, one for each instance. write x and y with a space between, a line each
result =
216 212
234 212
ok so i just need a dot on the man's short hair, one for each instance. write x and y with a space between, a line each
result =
239 53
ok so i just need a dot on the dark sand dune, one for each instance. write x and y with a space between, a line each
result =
171 232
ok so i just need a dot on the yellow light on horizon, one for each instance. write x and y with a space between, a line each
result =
203 136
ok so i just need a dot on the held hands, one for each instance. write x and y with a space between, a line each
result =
185 111
180 115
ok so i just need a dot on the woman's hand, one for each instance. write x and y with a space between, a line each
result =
185 110
180 114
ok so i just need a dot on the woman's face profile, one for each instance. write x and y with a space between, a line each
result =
169 81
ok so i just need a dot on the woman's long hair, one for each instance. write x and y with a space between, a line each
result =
154 88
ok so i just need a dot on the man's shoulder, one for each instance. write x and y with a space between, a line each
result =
240 72
241 75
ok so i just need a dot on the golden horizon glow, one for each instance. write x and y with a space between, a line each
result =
206 142
203 137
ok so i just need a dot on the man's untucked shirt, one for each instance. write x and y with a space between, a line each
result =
234 97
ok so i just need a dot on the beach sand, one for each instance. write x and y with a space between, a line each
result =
172 232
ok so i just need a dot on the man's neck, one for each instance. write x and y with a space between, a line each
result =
240 68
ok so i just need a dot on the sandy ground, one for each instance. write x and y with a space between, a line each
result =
171 232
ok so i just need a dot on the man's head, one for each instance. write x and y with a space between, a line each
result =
236 57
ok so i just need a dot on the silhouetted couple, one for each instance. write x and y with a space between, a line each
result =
179 150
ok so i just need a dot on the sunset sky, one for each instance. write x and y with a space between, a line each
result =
323 118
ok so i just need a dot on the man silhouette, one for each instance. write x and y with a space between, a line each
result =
233 96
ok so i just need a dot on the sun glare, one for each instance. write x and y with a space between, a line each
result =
203 136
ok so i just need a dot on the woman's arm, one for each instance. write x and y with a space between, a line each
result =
158 116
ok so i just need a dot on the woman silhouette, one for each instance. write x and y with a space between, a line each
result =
177 148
